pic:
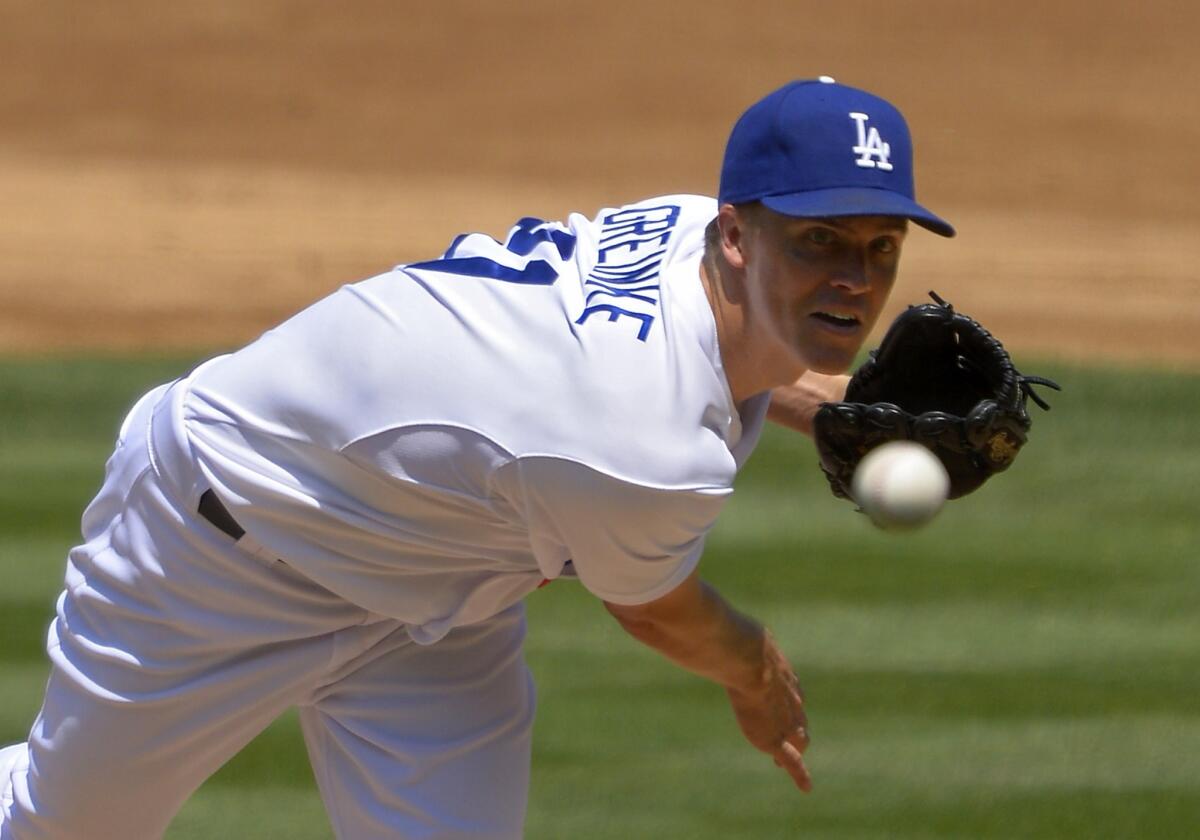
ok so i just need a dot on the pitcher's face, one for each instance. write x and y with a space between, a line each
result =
814 288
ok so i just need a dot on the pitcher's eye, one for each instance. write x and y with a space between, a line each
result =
820 236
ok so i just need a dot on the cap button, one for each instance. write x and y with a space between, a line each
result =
826 80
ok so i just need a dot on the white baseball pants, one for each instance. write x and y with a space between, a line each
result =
174 646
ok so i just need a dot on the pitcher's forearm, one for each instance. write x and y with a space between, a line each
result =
795 405
701 632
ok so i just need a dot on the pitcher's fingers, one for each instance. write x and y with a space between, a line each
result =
799 716
794 694
798 738
789 758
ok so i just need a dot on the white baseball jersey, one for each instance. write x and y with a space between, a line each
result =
434 442
421 449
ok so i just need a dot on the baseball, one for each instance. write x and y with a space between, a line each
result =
900 485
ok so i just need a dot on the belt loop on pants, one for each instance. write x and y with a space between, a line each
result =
212 509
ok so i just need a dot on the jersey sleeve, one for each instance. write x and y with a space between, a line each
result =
628 544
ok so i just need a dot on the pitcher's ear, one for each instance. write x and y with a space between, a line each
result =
732 222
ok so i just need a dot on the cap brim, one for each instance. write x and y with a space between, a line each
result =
856 201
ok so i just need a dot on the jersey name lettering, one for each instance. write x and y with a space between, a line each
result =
624 281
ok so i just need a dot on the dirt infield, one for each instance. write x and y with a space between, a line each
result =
187 174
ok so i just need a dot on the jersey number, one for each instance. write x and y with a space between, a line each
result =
477 255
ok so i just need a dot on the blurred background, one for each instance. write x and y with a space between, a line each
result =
182 174
177 177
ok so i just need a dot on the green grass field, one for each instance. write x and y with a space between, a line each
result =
1027 666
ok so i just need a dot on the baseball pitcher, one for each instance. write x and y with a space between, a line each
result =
345 515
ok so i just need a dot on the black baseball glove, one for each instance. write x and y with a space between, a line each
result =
940 379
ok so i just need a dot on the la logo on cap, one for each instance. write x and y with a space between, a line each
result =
872 151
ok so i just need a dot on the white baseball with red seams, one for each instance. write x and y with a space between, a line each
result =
900 485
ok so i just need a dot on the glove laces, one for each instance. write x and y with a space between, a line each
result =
1026 384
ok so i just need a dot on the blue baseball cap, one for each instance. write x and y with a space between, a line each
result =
816 148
